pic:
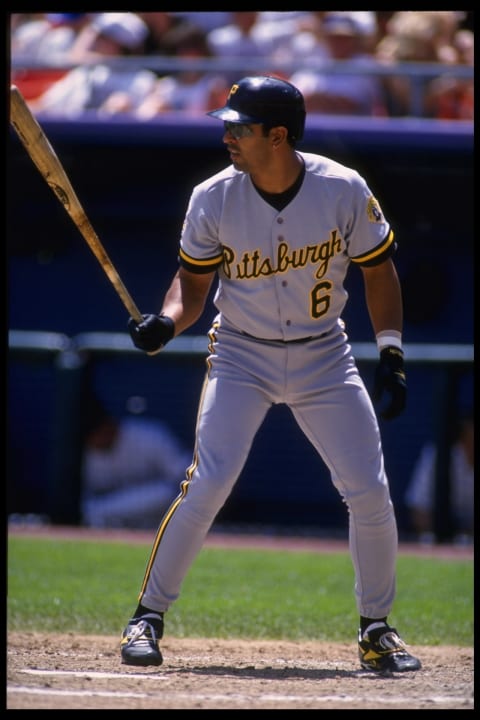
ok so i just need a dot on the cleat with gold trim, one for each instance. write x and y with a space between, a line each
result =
382 650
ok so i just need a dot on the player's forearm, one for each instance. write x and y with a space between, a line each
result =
383 297
185 299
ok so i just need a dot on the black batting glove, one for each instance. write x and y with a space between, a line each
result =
152 334
390 379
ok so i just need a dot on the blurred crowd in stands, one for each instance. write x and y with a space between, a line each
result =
111 63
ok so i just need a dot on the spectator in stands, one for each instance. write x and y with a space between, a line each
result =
452 98
236 40
309 43
369 29
17 19
274 31
131 471
193 91
95 85
40 47
304 42
420 494
416 36
46 37
339 93
110 35
159 26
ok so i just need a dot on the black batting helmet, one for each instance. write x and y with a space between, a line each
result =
267 100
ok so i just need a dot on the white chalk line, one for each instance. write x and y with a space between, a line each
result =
267 697
382 701
75 693
94 673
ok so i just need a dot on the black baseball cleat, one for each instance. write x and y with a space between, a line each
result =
139 643
380 649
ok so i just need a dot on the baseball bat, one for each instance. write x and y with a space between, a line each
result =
47 162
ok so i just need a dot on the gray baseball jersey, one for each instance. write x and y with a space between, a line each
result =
281 274
278 337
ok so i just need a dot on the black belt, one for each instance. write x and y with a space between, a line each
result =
287 342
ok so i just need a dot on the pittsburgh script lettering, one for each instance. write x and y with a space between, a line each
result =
254 265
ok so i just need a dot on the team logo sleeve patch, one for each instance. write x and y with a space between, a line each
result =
374 211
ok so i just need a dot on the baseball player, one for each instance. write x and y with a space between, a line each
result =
279 229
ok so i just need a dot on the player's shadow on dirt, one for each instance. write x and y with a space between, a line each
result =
278 673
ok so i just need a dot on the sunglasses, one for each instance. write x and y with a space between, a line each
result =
238 130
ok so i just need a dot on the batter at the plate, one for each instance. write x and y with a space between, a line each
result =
279 229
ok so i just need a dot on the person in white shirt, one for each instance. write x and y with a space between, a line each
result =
356 93
47 37
94 85
419 497
131 470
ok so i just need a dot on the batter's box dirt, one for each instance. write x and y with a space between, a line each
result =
84 672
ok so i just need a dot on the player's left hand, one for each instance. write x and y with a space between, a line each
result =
390 379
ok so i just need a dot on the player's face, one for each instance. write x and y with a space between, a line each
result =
246 144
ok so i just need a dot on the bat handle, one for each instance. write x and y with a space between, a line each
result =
135 314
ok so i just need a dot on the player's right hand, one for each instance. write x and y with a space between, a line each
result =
153 333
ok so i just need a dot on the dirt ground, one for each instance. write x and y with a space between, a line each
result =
71 672
84 672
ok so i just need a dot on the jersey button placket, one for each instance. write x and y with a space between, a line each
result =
281 239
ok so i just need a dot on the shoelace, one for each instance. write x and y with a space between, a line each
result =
390 641
140 629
